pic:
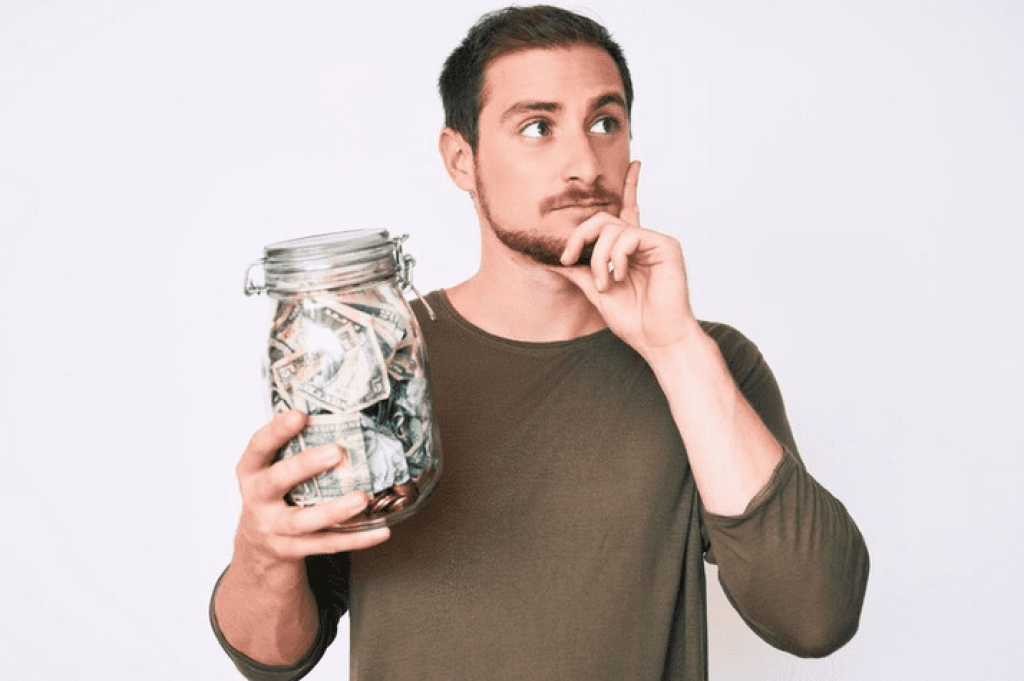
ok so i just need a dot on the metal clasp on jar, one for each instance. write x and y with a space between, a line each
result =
405 264
253 287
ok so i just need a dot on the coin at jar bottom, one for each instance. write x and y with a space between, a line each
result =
393 500
380 504
399 503
406 490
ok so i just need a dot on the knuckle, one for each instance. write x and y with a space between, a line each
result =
266 525
247 489
248 482
257 487
265 485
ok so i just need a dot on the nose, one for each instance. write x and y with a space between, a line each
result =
581 160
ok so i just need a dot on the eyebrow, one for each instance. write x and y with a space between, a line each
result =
528 107
611 98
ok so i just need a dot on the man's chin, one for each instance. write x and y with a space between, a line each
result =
585 255
543 250
546 255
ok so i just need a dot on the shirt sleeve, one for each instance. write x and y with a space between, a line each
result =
793 564
328 579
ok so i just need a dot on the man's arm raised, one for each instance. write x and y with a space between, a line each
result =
637 281
795 565
263 604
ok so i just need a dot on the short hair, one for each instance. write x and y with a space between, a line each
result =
514 29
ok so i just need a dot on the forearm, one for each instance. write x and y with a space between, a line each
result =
795 566
792 561
731 452
268 613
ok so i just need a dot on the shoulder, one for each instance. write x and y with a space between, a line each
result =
741 354
730 340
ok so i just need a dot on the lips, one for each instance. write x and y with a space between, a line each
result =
585 204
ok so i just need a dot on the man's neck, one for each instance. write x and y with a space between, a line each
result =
515 298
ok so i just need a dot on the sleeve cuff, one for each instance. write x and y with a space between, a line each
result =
258 671
783 471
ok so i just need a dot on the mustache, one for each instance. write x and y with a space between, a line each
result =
581 196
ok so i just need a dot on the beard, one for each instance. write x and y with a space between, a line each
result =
545 249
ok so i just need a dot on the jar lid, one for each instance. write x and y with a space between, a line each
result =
327 261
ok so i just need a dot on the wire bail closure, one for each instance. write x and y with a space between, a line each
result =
252 287
405 264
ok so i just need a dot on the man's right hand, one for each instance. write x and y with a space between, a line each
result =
273 534
264 605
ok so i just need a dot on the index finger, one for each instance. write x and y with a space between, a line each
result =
630 212
270 438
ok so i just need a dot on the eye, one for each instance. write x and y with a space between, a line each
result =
536 129
606 125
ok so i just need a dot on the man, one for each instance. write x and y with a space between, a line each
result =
599 441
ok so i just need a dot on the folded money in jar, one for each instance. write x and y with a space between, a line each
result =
345 347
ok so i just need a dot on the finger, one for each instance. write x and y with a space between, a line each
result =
630 212
323 543
606 244
588 231
326 514
623 248
271 484
268 439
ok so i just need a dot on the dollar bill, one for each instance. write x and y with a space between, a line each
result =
354 362
420 457
389 325
339 369
353 474
287 328
279 403
405 363
385 456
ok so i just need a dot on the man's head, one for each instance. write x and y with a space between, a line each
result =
510 30
537 102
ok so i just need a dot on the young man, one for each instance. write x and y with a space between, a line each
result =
599 441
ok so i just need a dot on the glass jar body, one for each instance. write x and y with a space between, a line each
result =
352 357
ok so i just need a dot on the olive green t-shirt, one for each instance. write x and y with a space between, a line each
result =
566 539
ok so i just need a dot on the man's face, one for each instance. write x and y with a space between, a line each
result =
553 145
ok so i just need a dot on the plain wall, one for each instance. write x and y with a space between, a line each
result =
845 179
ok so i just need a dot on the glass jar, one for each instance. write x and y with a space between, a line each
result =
345 347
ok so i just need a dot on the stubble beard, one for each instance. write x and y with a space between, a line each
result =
542 249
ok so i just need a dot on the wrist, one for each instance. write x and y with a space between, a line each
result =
692 348
270 573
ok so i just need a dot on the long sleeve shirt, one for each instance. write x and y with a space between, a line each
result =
567 539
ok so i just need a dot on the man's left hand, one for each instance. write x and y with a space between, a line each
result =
636 278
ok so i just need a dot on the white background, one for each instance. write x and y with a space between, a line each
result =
845 178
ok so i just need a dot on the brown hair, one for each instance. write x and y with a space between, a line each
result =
509 30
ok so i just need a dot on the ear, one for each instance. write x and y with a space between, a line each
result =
457 156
